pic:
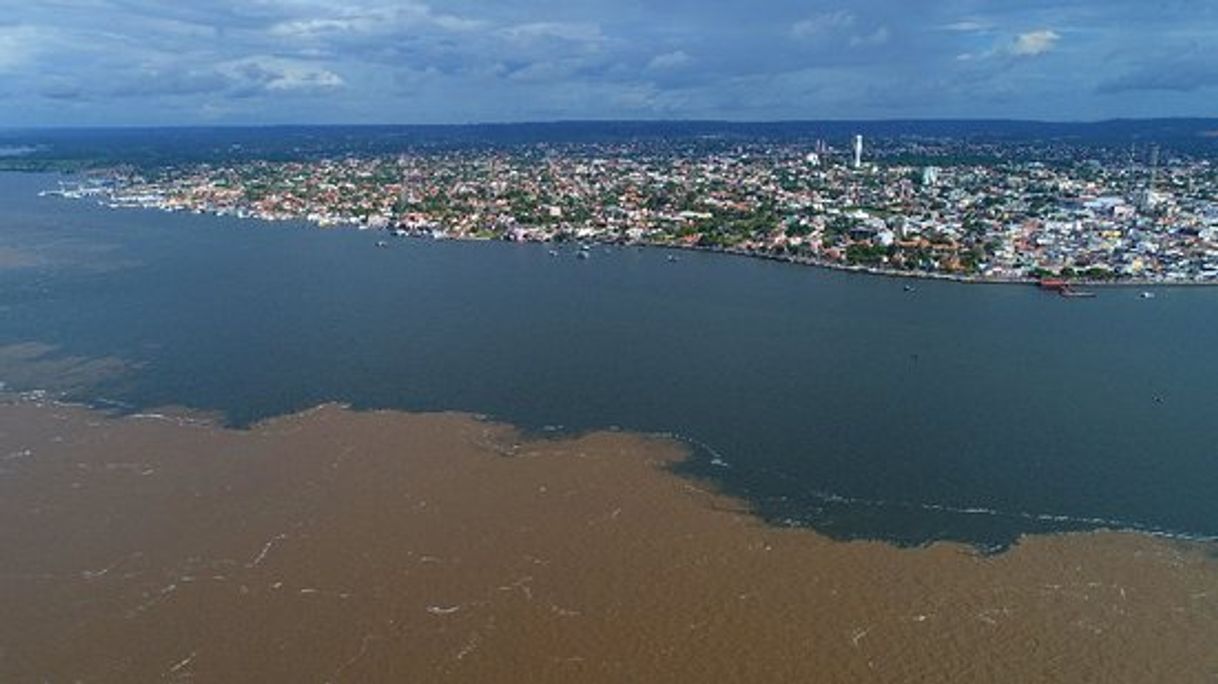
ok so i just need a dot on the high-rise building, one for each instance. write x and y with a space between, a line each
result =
1154 165
1148 199
858 151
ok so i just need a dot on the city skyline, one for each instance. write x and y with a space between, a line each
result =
145 62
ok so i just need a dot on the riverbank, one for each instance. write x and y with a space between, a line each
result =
341 546
796 260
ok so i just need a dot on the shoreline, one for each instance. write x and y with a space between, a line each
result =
944 277
796 261
793 260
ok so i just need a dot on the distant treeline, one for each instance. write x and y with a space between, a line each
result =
77 149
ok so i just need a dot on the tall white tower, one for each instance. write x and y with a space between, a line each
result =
1154 165
858 151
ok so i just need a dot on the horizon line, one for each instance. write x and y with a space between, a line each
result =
584 121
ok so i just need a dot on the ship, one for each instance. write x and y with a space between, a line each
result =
1063 288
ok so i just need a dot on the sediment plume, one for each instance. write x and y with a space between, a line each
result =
337 546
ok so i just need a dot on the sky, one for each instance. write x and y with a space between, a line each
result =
166 62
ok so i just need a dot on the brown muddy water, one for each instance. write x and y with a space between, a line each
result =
337 546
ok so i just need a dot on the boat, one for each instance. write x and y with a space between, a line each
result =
909 288
1147 295
1063 288
672 258
382 243
581 255
1075 294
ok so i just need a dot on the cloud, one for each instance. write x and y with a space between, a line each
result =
1035 43
838 26
669 60
131 61
270 75
586 33
821 24
241 78
18 45
1179 73
967 26
317 27
374 20
169 82
1023 45
876 37
545 71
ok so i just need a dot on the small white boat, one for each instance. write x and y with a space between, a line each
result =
1147 295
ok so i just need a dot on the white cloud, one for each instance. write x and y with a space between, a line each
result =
828 22
669 60
262 74
1029 44
379 20
452 22
17 46
838 24
876 37
311 28
967 26
1035 43
572 32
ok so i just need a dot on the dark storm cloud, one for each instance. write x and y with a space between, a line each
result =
258 61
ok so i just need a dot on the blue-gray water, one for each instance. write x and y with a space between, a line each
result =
972 413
